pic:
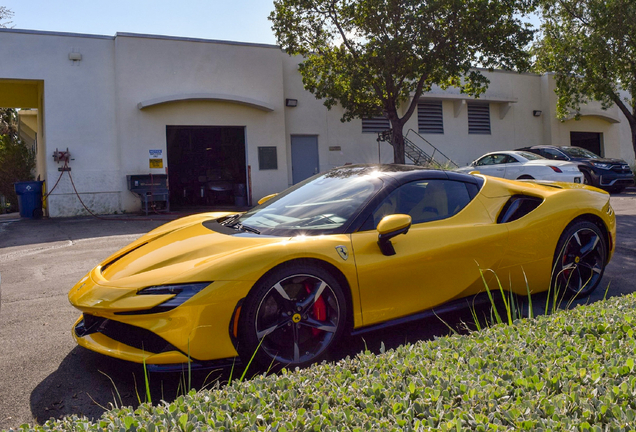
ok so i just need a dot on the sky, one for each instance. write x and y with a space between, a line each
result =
234 20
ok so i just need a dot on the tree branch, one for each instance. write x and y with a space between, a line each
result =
416 96
334 17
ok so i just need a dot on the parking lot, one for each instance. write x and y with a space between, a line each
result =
44 374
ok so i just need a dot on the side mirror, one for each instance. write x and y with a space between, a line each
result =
471 173
267 198
389 227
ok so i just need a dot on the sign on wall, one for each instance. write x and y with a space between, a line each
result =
156 158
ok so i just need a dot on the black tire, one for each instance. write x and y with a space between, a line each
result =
587 178
299 310
579 260
525 177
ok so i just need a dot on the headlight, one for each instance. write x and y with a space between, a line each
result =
602 165
182 292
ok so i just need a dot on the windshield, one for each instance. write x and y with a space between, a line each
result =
579 152
322 204
530 156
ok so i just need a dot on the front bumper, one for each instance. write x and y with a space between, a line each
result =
198 330
615 177
611 181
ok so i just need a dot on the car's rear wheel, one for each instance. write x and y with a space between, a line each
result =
579 260
525 177
292 317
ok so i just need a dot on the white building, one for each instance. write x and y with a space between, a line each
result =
214 110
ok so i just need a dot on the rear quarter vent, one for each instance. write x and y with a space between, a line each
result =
517 207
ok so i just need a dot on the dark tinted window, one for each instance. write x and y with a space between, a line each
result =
493 159
424 201
552 154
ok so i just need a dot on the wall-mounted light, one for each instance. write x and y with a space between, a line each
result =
291 102
74 56
536 113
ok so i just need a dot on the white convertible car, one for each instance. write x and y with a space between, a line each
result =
521 165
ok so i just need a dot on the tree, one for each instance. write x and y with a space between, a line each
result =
373 56
591 47
5 16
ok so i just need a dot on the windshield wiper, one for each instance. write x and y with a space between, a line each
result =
246 228
230 220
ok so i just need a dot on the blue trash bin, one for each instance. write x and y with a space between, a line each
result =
29 198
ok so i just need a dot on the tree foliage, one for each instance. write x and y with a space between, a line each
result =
16 160
5 17
376 57
591 47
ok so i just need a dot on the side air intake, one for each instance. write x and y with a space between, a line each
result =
517 207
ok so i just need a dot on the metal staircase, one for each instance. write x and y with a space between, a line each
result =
418 156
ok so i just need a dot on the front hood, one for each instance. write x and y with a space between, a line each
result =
163 258
602 160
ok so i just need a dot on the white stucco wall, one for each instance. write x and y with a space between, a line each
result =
148 68
102 109
78 111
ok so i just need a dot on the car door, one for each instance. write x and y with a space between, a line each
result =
491 165
451 237
513 167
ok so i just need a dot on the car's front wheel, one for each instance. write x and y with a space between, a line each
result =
579 260
292 317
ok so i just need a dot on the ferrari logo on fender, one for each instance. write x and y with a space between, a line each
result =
342 251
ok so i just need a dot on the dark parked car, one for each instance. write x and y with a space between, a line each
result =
613 175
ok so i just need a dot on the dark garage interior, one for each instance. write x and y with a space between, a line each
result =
206 166
588 140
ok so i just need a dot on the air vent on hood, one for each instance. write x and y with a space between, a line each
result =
105 266
517 207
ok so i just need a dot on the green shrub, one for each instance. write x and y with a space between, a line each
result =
16 160
573 370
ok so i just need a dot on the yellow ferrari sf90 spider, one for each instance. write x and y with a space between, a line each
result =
352 249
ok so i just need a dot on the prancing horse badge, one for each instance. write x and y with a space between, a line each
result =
342 251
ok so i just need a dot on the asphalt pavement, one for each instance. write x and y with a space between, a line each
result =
43 373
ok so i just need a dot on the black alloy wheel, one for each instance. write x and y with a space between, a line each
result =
580 260
292 317
587 178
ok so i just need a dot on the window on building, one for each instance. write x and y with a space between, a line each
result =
479 118
430 118
375 124
267 158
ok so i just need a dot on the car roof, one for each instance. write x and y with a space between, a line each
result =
513 152
403 173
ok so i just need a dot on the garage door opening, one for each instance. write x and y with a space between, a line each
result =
588 140
207 166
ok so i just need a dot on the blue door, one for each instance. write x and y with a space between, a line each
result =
304 151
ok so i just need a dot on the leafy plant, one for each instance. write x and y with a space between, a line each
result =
573 370
16 161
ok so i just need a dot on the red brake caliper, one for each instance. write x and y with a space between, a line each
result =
319 310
